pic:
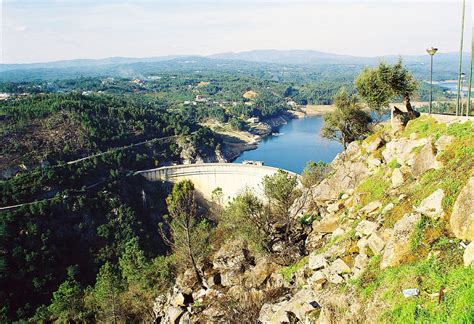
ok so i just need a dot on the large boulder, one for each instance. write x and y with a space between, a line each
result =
360 263
398 246
317 261
462 217
425 160
431 206
233 256
375 243
398 178
327 224
259 274
371 207
443 142
373 145
299 307
349 171
402 150
365 228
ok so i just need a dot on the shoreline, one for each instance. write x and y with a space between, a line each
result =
237 149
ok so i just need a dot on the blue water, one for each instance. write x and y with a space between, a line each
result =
298 142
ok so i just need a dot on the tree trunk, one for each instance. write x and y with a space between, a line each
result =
412 113
191 258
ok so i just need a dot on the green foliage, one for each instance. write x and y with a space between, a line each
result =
289 271
67 303
394 164
373 188
280 190
189 234
259 223
245 217
313 173
417 237
379 86
104 297
349 122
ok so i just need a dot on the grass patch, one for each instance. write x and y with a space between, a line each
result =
417 237
425 126
373 188
394 164
459 130
427 275
289 271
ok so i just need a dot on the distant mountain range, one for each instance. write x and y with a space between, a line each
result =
303 57
250 60
297 57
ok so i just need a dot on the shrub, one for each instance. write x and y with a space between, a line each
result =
313 173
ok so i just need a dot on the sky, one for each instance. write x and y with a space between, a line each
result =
50 30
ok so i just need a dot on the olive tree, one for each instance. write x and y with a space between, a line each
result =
380 85
348 122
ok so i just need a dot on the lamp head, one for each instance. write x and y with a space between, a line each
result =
432 50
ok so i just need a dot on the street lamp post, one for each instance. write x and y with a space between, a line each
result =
461 106
458 102
431 51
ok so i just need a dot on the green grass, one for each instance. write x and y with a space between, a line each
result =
427 275
393 164
459 130
373 188
290 270
417 237
425 126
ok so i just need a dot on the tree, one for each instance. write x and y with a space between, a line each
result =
188 235
379 86
104 297
348 122
313 173
269 226
280 190
144 280
245 217
67 303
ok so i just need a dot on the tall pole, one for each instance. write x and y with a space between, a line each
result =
431 85
460 58
431 51
468 109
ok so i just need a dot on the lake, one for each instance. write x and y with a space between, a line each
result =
298 142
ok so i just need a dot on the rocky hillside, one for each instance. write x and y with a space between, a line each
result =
389 239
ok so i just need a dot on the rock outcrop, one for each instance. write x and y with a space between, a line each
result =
398 246
462 217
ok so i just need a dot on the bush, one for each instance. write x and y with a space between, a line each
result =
313 173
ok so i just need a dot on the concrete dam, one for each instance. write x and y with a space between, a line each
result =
231 178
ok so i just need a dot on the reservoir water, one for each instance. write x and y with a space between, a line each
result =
298 142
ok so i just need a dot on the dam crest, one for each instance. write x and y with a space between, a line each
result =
231 178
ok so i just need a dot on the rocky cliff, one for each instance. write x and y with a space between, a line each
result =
391 240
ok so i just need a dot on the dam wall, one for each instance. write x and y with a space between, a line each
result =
231 178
